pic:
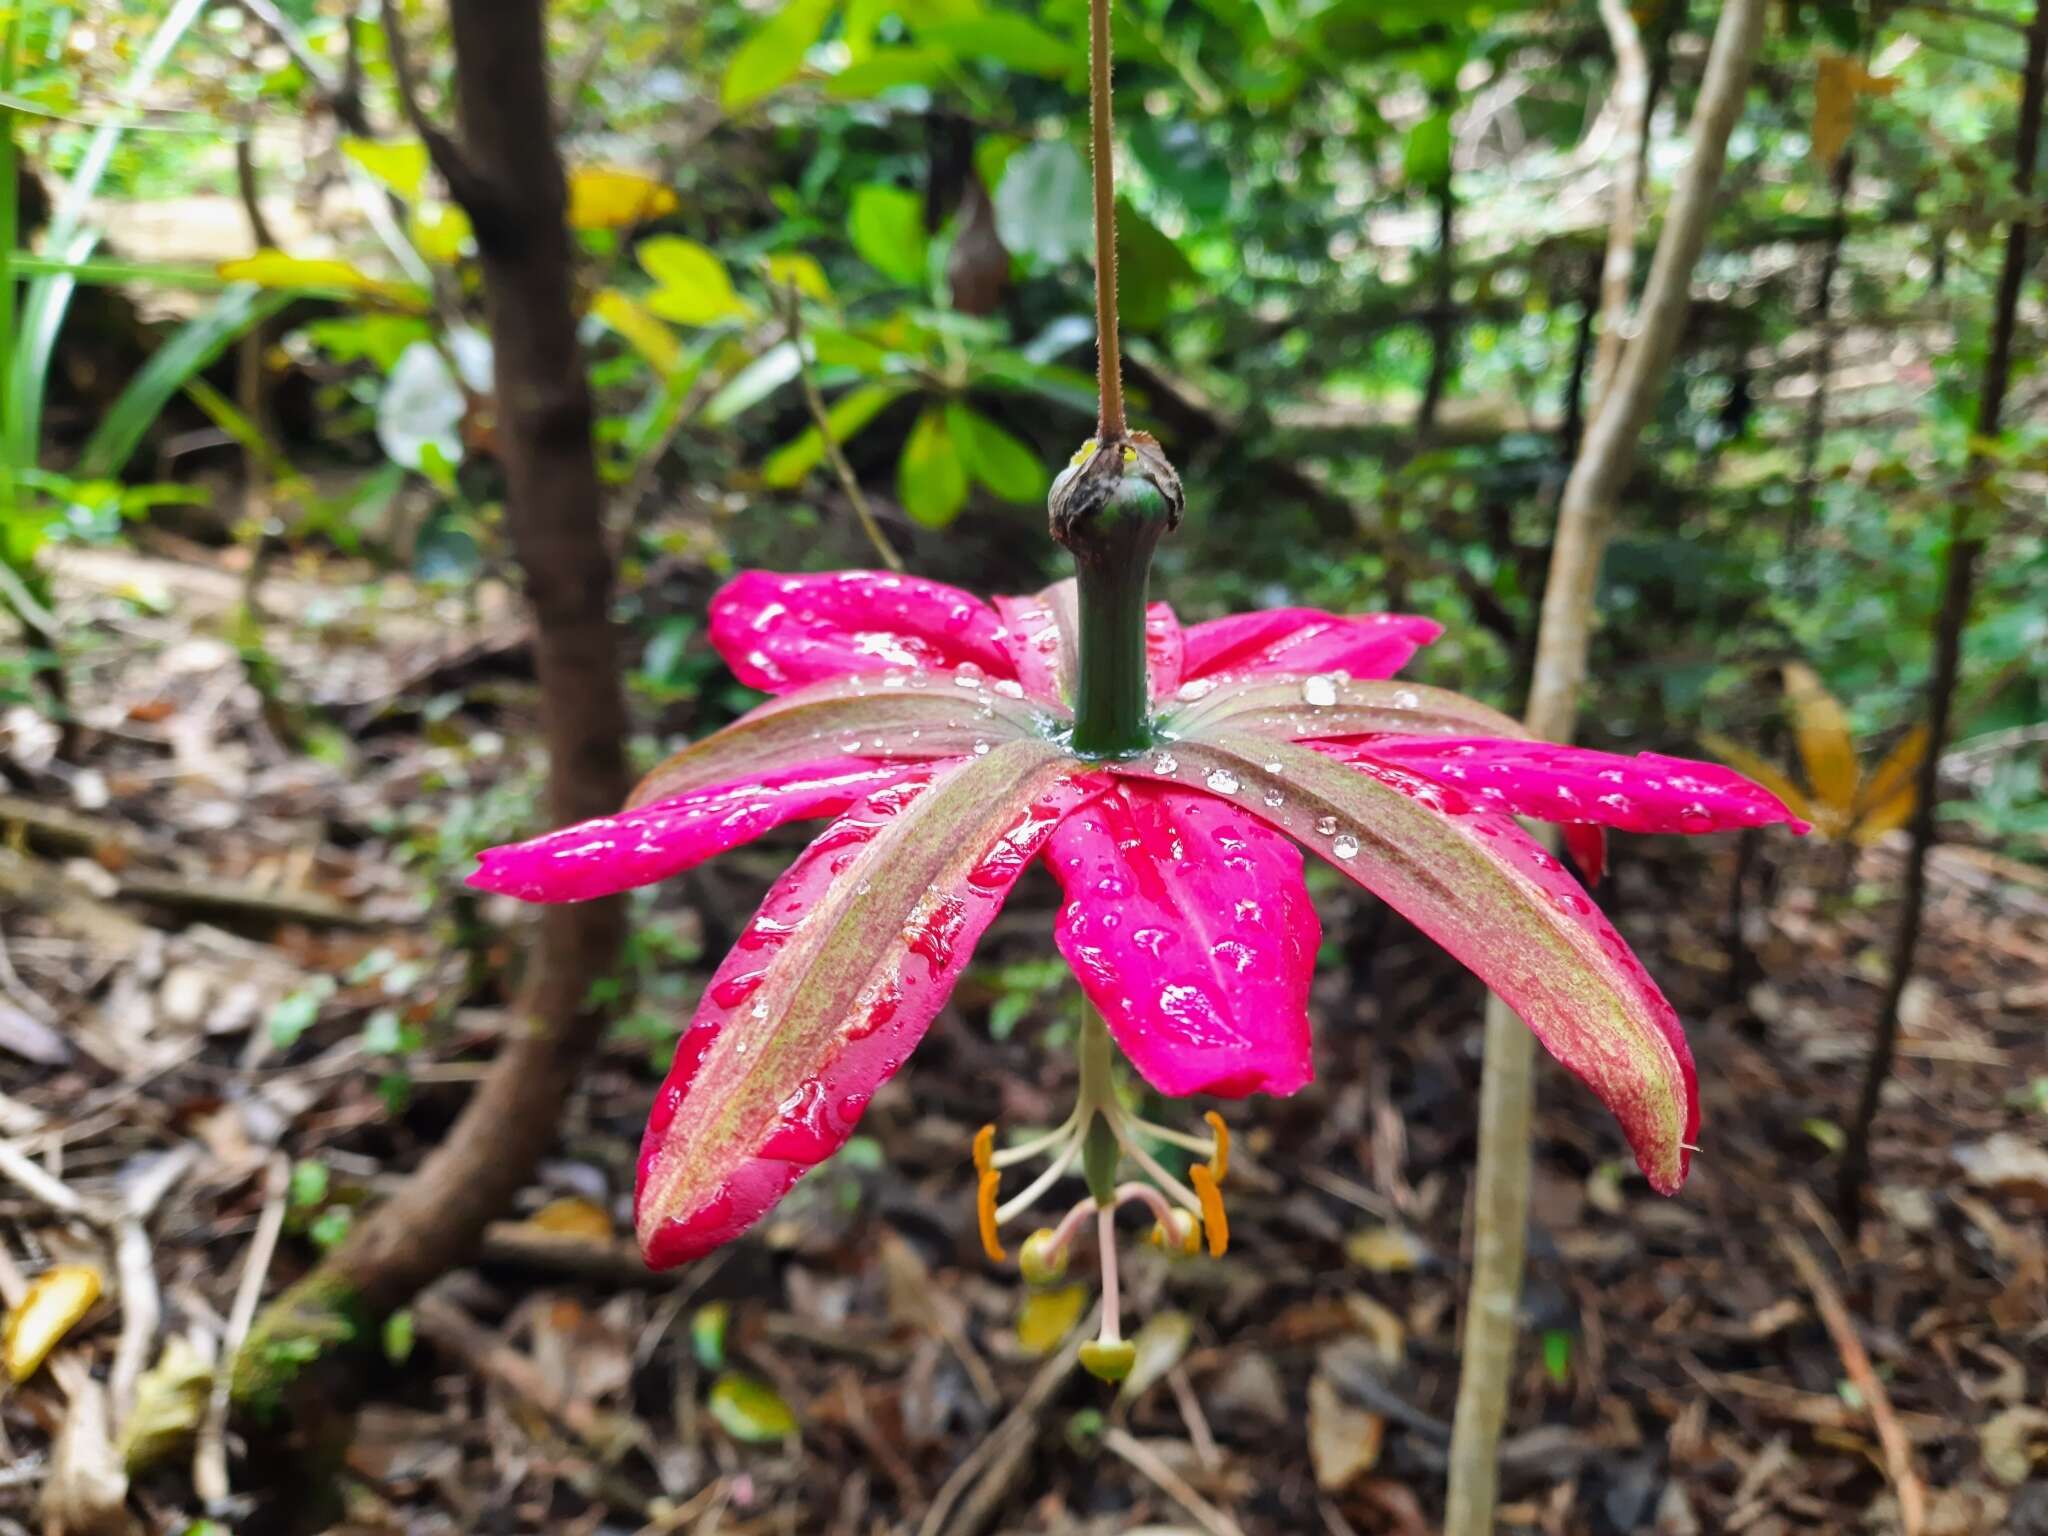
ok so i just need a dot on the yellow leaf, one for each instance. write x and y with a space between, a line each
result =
604 197
274 269
648 336
694 286
1887 815
1047 1317
1744 761
1825 745
170 1400
400 166
56 1300
442 233
1838 81
571 1217
794 269
1385 1250
1898 769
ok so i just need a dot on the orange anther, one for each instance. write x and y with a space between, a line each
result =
1214 1223
984 1149
985 1214
1219 1159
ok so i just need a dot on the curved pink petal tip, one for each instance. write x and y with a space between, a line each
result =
779 632
617 853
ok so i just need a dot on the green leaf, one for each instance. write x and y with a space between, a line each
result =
648 336
931 480
1426 157
999 461
788 465
1176 153
707 1334
889 70
693 286
886 225
377 339
750 1410
787 730
1149 268
190 351
774 55
1042 204
1012 40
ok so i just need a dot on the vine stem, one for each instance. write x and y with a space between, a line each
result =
1109 360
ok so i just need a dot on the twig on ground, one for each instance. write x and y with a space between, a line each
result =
40 1184
1197 1421
1153 1466
135 1263
1891 1437
210 1459
979 1486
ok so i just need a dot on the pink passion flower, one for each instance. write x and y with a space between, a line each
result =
932 728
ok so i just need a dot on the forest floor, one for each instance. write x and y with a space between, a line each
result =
235 999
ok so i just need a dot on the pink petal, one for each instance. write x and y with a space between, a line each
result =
1165 649
835 979
778 632
1469 877
1042 640
640 846
1189 927
1037 637
1588 848
1647 793
1306 640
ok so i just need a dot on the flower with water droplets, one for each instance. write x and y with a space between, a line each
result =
1185 918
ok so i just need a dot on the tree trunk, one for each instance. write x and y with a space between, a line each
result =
505 170
1500 1208
1966 536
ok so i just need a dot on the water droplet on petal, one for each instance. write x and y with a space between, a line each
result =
1326 826
1406 698
967 675
1319 691
1345 847
1165 763
1221 781
1196 688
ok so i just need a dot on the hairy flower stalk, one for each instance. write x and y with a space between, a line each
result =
1170 777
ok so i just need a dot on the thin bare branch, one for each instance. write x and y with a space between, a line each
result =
792 324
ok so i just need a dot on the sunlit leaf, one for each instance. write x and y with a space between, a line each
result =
1886 815
605 197
442 233
748 1409
1826 747
774 55
1162 1342
889 70
648 336
788 465
999 461
1343 1441
793 269
752 384
56 1300
400 164
931 480
693 286
274 269
1047 1317
707 1334
886 225
1042 203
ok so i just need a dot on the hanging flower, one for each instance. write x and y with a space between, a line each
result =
936 731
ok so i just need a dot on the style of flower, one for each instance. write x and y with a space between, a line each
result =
936 731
